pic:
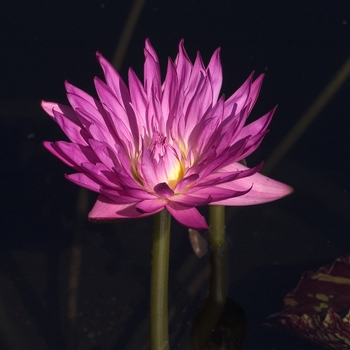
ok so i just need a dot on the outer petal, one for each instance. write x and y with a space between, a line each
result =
74 131
264 189
84 181
151 205
71 153
215 72
105 209
183 65
151 70
189 217
114 81
68 111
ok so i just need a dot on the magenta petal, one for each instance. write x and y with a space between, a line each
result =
151 206
68 111
193 200
105 209
258 125
222 177
147 170
170 90
151 70
118 196
264 189
74 131
71 153
52 147
113 79
189 217
84 181
138 98
215 71
186 181
138 193
163 190
183 65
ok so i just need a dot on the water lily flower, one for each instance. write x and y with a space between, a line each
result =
173 145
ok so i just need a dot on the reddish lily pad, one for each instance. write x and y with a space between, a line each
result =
318 309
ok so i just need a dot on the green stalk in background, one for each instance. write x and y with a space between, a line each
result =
214 305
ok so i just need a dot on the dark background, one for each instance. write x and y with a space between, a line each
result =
299 45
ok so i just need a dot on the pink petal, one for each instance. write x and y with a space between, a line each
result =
258 125
101 173
186 181
163 190
52 147
193 199
255 90
137 193
189 217
83 96
151 71
71 153
151 206
84 181
183 66
105 209
215 72
68 111
264 189
240 97
104 152
138 99
170 91
114 81
147 171
74 131
124 114
118 196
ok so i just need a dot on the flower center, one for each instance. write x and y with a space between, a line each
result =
170 168
158 144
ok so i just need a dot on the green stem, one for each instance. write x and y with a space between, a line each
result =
159 281
217 236
210 315
217 242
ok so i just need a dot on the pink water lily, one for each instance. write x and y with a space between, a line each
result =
174 145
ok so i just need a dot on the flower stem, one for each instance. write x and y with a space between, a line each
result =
217 236
218 258
159 281
214 305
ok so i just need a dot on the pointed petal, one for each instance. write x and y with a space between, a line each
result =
75 131
170 91
215 73
84 181
264 189
189 217
114 81
105 210
151 206
138 99
151 71
71 153
183 66
163 190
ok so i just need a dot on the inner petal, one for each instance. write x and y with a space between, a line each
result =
169 163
